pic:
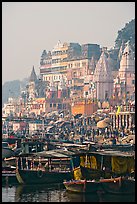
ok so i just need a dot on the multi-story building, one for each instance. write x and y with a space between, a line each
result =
90 50
81 70
54 64
66 57
12 108
37 106
66 68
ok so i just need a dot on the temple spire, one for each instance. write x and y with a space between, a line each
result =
33 76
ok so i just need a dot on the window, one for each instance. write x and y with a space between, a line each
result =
133 81
83 63
78 64
59 106
74 74
86 93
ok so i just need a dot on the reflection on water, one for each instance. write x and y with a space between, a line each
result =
56 193
40 193
99 197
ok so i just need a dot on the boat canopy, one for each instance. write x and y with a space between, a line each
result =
56 153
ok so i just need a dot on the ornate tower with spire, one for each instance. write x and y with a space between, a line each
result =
33 76
126 73
103 78
32 84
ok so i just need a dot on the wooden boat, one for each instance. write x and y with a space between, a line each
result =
82 186
107 170
106 164
90 186
42 177
125 185
43 168
117 185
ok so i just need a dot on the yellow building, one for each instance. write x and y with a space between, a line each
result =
84 107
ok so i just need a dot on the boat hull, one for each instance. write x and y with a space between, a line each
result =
119 186
82 186
41 177
113 185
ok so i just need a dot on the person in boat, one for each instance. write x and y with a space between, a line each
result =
41 167
114 141
46 166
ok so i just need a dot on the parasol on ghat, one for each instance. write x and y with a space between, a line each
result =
97 118
107 120
102 124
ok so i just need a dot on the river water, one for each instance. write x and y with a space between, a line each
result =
55 193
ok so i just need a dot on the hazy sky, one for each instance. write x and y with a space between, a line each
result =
30 27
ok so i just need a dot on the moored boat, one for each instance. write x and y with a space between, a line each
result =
81 186
43 168
107 170
41 176
125 185
116 185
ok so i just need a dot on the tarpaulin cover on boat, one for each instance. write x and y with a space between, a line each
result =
77 173
122 164
89 162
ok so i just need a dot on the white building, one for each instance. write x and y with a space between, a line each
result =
103 78
124 84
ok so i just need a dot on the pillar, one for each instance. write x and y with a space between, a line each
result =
115 120
130 121
124 120
127 121
118 119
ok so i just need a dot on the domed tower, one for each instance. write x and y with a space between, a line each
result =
127 72
127 63
103 78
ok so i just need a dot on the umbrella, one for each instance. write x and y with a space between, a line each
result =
107 120
97 118
105 104
102 124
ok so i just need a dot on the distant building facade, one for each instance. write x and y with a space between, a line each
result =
64 58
